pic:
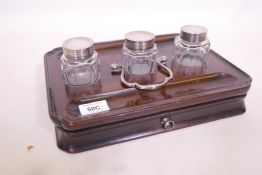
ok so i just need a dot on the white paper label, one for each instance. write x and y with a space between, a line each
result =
94 107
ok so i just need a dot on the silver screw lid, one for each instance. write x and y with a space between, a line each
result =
139 40
78 48
193 33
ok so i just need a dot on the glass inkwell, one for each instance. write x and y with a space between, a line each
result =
140 61
191 47
80 66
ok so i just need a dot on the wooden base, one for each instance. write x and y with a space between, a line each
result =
118 132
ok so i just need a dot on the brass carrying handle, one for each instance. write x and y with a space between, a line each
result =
151 86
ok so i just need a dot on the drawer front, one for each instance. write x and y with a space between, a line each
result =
87 139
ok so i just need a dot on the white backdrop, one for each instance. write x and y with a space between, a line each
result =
29 28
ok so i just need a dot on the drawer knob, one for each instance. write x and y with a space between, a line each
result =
167 124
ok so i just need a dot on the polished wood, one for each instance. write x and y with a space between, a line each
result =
217 92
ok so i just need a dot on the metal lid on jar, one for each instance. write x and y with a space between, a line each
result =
193 33
78 48
139 40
